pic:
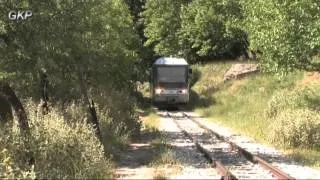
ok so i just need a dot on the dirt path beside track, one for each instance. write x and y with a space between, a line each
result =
137 161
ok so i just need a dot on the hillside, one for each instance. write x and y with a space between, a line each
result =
277 110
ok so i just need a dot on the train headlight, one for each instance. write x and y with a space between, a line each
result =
158 90
184 91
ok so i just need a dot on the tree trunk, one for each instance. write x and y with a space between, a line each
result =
94 120
5 110
44 97
11 98
92 115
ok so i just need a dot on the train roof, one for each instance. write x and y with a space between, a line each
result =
170 61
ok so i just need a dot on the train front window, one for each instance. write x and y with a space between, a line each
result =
172 74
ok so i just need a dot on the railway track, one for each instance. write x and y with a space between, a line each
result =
229 159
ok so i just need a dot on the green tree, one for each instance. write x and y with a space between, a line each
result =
287 32
88 49
162 22
93 40
211 28
146 53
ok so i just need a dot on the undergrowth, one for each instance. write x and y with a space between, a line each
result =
60 150
63 145
269 108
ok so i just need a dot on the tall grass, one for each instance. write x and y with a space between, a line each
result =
257 104
241 103
60 150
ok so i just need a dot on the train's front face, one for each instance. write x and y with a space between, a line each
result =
171 84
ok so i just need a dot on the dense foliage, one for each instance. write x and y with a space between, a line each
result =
211 28
61 150
162 22
97 50
89 51
83 43
285 33
194 29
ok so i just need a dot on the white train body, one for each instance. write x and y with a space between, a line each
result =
169 81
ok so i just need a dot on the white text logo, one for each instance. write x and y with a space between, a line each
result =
19 15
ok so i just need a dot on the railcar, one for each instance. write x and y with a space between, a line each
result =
170 81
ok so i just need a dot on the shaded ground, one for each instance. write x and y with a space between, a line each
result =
149 156
135 162
199 101
170 156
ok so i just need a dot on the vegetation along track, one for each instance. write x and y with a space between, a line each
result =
229 159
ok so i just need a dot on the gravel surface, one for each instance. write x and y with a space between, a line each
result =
133 163
194 165
269 154
237 164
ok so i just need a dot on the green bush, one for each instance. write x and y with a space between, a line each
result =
305 98
9 169
60 150
285 31
279 102
215 33
195 76
162 22
117 114
296 128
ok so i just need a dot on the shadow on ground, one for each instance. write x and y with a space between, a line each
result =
197 101
143 101
143 152
146 154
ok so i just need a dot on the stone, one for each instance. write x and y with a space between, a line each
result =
241 70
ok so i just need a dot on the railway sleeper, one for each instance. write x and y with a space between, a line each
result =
249 156
223 171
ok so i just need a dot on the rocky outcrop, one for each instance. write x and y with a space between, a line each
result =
240 70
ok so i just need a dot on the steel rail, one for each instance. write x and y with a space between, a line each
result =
224 172
248 155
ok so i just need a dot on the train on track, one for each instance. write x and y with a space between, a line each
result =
170 81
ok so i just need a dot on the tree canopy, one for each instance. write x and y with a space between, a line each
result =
93 41
285 33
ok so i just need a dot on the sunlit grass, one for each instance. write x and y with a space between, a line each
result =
241 104
306 156
164 156
60 150
6 75
166 162
151 121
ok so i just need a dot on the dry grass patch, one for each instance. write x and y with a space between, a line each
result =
60 150
310 79
305 156
151 121
296 128
236 85
166 171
